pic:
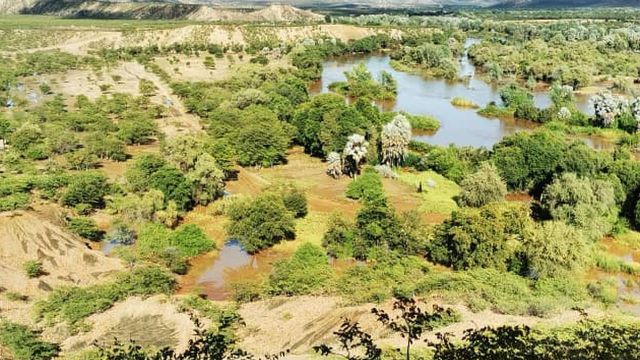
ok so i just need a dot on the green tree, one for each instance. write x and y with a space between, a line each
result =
482 187
262 144
260 223
483 237
555 249
207 179
587 204
85 227
86 188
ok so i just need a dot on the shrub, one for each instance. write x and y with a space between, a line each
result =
33 268
585 340
481 237
380 279
465 103
260 223
295 200
482 187
86 188
25 344
306 272
554 249
588 204
189 240
368 184
423 122
85 227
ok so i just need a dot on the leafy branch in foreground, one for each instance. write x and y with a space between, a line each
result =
412 322
353 341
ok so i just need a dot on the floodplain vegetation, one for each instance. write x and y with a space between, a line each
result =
521 228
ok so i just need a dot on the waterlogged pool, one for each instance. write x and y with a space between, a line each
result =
427 96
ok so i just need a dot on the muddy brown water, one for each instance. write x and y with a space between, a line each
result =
431 96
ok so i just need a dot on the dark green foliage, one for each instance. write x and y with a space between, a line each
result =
85 227
25 344
191 240
528 161
86 188
324 123
587 340
306 272
261 144
261 222
73 304
340 237
514 97
452 162
174 185
480 237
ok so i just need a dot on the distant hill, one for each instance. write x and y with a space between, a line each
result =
568 3
159 10
258 10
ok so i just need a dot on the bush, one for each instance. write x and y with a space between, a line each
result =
481 237
382 278
554 249
86 188
588 204
306 272
366 185
33 268
25 344
295 200
85 227
260 223
189 240
482 187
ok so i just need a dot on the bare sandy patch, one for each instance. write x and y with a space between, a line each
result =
299 323
153 322
38 236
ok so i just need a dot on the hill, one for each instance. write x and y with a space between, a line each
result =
568 3
157 10
30 235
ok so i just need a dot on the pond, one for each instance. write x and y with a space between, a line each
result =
428 96
213 274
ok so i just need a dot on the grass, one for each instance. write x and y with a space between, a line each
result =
440 198
493 110
24 343
464 103
613 264
309 229
73 304
423 122
504 292
630 239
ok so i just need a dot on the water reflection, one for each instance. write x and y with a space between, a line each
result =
419 95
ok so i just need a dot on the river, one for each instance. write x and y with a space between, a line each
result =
430 96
